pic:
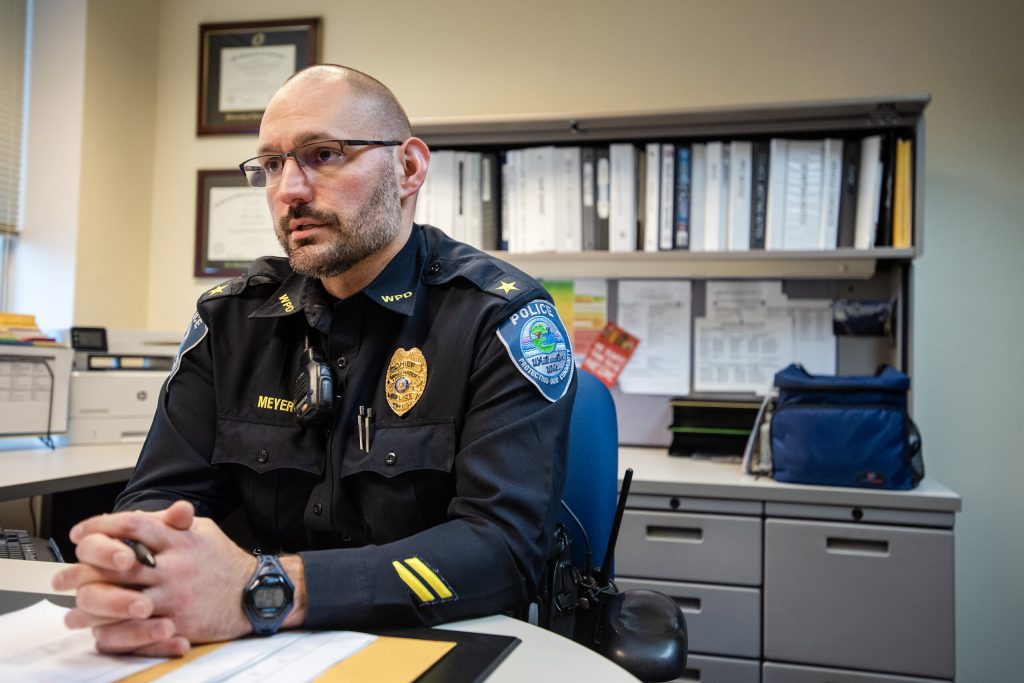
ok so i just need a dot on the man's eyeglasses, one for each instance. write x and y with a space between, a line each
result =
322 156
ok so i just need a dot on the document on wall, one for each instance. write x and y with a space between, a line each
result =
249 76
36 646
809 321
658 312
741 355
239 226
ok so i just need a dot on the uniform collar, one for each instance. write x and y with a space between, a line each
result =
394 288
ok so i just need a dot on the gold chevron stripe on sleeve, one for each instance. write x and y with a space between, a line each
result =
414 584
430 577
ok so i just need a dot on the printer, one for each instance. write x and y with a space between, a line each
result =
116 379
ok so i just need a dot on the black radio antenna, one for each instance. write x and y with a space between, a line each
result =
620 509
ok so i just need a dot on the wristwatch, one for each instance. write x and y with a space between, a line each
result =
268 597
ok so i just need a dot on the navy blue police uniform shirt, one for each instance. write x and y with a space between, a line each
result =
447 513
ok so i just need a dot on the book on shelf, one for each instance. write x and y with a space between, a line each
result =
622 226
650 198
758 193
869 190
490 200
681 237
902 211
604 192
567 192
883 235
848 194
667 213
716 196
698 181
740 160
588 198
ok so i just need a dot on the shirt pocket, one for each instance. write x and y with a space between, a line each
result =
275 467
403 447
404 484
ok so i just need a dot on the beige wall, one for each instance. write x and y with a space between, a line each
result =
118 113
450 58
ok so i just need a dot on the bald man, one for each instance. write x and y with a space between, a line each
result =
387 406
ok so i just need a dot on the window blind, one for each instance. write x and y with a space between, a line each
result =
13 30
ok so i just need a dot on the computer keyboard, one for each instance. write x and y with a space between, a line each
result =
16 544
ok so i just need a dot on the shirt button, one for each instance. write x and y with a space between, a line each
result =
346 538
434 268
390 459
262 456
317 509
342 362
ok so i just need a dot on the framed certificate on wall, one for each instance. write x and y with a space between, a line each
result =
233 224
242 65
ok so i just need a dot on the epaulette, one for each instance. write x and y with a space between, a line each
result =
266 270
488 273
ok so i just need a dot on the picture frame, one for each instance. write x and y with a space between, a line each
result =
241 65
233 224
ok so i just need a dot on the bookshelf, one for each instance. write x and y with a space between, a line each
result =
820 119
875 273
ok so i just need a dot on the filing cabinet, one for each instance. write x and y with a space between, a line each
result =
794 584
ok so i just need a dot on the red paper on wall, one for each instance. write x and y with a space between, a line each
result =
610 353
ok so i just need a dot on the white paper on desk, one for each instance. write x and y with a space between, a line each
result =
741 356
283 658
658 313
36 646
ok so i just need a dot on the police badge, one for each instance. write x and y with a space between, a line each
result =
406 379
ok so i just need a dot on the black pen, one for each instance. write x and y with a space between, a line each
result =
143 554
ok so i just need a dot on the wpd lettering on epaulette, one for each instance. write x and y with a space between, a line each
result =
193 335
538 344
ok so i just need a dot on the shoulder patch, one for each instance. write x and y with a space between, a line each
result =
193 335
538 344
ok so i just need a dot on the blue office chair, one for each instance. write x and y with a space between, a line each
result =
642 631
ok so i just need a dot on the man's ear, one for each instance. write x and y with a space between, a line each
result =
414 156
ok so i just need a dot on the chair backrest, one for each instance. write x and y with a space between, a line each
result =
591 484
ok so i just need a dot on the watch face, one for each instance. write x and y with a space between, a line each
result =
268 598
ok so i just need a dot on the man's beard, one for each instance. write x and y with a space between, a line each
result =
348 242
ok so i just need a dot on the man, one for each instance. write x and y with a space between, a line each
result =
421 486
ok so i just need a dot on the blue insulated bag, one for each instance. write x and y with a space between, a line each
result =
845 431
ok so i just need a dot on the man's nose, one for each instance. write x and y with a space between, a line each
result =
294 185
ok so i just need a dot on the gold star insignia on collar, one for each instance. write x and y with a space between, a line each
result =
219 289
507 286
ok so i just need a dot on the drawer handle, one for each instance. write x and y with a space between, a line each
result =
688 604
854 546
690 675
671 533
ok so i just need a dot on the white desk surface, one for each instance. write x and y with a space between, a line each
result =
656 472
36 470
542 656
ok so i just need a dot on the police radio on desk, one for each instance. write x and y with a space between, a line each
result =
314 389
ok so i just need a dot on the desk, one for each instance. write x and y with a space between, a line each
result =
35 471
541 657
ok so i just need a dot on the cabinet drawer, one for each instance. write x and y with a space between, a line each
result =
857 595
719 670
791 673
685 547
720 620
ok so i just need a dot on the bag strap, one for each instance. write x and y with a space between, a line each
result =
914 451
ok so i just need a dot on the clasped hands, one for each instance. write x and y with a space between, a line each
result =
193 595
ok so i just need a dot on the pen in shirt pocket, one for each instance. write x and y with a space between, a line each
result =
142 553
